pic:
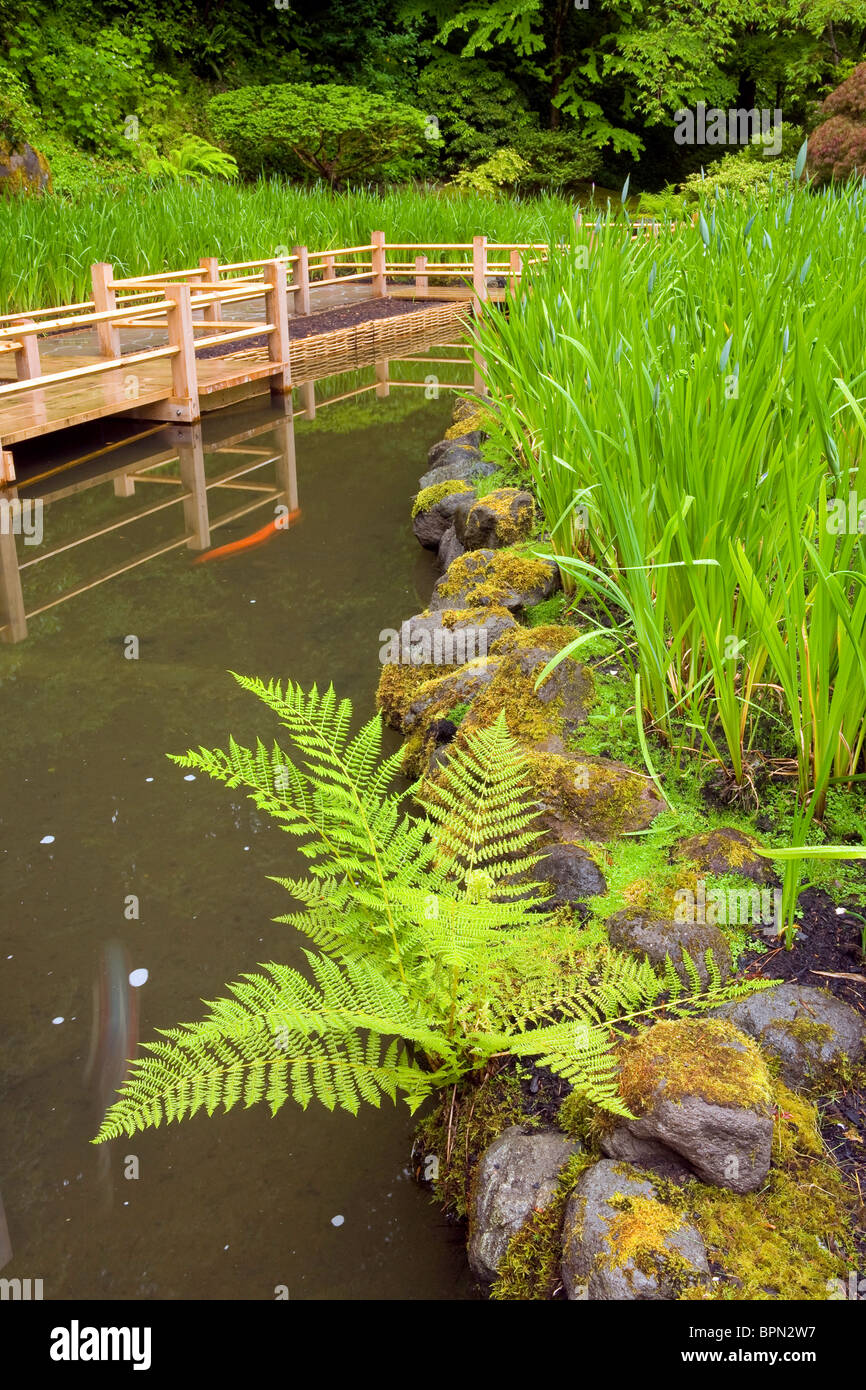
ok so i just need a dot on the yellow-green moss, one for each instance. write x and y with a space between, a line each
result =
550 638
694 1057
452 616
398 685
609 802
509 528
429 496
491 583
637 1233
467 424
529 1270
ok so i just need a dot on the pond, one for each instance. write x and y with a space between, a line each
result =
116 862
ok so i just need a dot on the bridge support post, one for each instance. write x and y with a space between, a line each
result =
479 272
7 466
422 283
380 288
515 261
105 300
212 313
13 619
183 404
301 278
277 313
190 451
27 357
383 384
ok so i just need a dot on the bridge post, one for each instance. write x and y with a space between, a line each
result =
277 313
515 260
301 278
190 452
183 402
13 618
377 242
105 299
479 272
7 467
422 283
383 380
213 313
27 357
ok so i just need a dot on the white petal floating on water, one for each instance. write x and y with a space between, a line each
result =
58 1020
47 840
189 777
137 978
337 1220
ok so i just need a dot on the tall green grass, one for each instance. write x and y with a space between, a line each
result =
695 399
48 244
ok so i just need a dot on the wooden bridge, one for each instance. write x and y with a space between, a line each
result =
44 392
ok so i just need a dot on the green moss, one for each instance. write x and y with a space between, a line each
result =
529 1270
551 637
547 612
459 1129
398 685
704 1057
492 583
458 713
609 802
429 496
468 423
638 1232
509 528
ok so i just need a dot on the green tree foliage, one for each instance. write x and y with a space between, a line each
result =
329 131
429 960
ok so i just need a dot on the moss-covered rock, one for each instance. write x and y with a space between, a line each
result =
725 851
701 1096
398 685
23 170
809 1033
502 517
620 1242
588 797
500 578
657 939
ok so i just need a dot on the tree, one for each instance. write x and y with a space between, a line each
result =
328 130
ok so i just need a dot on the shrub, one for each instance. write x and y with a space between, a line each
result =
328 131
478 109
838 146
502 170
556 158
193 159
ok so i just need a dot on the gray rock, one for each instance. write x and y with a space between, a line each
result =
23 170
725 851
426 637
480 572
459 462
727 1145
583 796
571 873
808 1030
437 453
450 548
503 517
592 1267
430 525
654 939
516 1175
458 687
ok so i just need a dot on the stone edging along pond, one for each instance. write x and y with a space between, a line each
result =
720 1185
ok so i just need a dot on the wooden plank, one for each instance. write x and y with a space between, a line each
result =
277 311
105 301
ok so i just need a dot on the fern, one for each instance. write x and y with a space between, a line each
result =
429 959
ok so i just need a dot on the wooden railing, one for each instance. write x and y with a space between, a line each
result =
172 299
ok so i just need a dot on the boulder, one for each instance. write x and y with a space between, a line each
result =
498 578
466 439
809 1031
433 512
23 170
502 517
449 550
654 939
587 797
569 870
457 461
725 851
516 1175
700 1089
442 694
450 637
621 1243
557 708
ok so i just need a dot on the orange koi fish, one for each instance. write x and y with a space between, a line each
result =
279 523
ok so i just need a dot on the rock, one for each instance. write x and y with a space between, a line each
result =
457 688
556 709
516 1175
464 410
809 1031
570 871
699 1088
468 439
458 461
620 1242
725 851
436 514
448 637
503 517
23 170
653 940
450 549
587 797
495 578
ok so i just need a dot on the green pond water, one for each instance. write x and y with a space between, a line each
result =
234 1206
